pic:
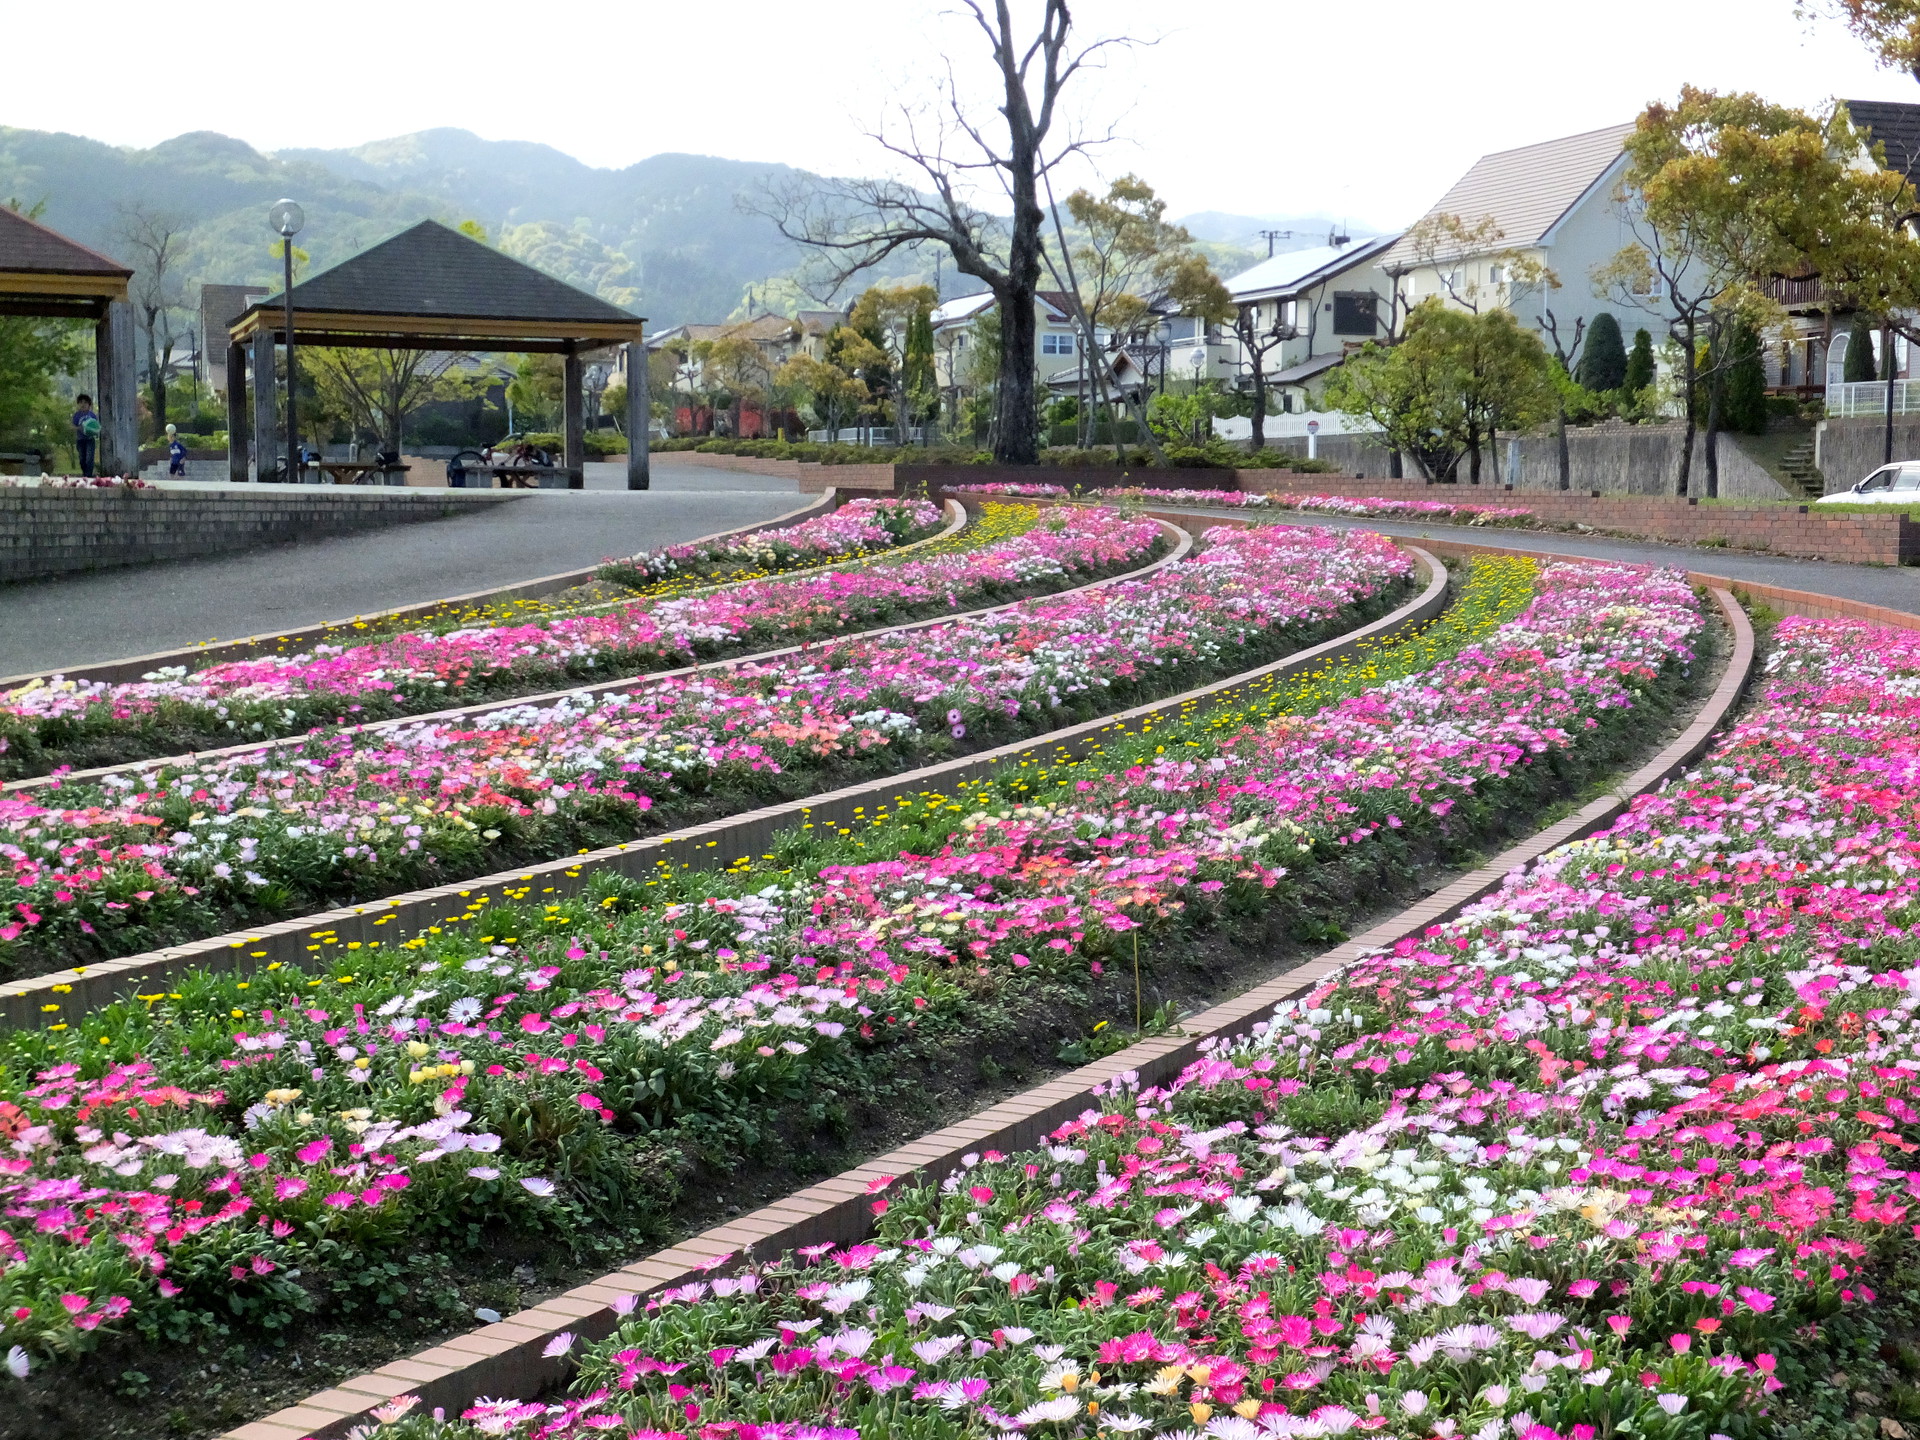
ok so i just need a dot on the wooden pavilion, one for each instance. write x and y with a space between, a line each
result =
432 288
47 276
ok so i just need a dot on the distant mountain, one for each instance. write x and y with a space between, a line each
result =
665 236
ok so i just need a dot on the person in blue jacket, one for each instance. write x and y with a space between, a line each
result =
86 432
176 454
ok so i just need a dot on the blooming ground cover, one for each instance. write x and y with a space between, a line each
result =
188 848
1364 506
861 526
43 722
1621 1151
237 1145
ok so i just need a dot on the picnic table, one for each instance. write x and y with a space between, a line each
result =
360 472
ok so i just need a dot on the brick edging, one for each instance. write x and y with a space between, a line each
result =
506 1359
955 524
199 657
26 1003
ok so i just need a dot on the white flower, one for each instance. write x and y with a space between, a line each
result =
1672 1404
559 1345
18 1364
1414 1402
534 1185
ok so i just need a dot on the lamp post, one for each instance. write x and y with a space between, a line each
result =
287 217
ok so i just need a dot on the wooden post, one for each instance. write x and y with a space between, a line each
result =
265 412
237 426
573 419
639 418
118 398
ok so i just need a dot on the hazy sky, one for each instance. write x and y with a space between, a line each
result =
1365 109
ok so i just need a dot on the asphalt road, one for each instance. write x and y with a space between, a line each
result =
76 619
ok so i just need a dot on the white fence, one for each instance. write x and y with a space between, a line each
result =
1869 397
1294 427
866 435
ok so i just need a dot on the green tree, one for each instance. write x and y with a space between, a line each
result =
1859 362
1127 267
1603 365
917 373
375 391
1746 398
1640 368
834 395
34 354
1889 28
888 317
1727 189
735 364
1450 386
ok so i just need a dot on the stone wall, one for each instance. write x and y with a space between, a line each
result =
60 532
1617 459
1850 450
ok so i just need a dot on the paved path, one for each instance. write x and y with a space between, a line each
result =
76 619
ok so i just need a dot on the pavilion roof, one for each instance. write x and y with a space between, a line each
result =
432 283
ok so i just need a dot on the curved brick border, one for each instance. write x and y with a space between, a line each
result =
198 657
63 994
956 521
506 1359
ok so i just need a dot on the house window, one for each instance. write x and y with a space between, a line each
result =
1055 343
1355 314
1496 274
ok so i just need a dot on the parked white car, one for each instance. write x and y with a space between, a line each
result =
1896 484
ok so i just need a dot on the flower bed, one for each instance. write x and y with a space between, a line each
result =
1622 1150
1252 500
74 482
188 848
43 725
859 527
540 1076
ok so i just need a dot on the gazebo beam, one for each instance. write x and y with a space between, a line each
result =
639 419
573 417
265 413
113 369
237 426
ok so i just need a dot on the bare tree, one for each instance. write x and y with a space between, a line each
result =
1256 343
155 239
1567 353
857 224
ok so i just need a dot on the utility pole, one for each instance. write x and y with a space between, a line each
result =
1272 235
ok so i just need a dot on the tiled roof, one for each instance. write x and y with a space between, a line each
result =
1527 190
1896 126
28 245
432 271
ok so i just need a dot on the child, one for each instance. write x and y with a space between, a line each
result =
176 455
86 432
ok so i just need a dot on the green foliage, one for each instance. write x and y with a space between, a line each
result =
1447 387
33 355
1640 368
1859 362
1603 364
1745 403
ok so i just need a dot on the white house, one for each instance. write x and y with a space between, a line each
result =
1318 306
1554 204
1054 347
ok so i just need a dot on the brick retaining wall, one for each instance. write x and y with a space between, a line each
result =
60 532
1794 530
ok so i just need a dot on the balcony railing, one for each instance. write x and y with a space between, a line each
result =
1796 293
1869 397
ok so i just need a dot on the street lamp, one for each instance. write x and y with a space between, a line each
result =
286 217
